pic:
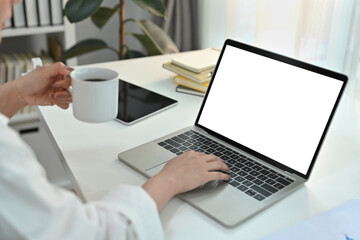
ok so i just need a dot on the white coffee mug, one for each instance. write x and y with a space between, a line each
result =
95 94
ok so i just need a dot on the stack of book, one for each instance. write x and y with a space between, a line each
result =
34 13
193 70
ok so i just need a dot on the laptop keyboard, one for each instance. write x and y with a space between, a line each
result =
248 176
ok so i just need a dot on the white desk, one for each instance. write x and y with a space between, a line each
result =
90 159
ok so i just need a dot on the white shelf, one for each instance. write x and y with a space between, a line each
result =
14 32
24 117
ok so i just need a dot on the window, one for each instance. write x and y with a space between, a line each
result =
322 32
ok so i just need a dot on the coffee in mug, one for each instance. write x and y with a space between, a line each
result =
95 94
94 80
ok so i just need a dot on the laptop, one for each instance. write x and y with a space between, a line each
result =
266 115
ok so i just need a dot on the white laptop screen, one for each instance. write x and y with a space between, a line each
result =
274 108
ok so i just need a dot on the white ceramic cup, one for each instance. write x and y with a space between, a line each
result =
94 101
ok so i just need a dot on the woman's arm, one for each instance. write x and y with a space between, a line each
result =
45 85
10 101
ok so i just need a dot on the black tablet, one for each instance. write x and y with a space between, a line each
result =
137 103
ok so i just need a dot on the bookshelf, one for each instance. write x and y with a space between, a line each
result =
29 126
19 39
18 36
25 31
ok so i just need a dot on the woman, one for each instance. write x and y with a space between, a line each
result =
32 208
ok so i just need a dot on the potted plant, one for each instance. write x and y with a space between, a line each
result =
153 38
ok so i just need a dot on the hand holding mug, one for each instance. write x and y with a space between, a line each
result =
46 85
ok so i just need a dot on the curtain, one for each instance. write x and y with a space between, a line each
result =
181 23
322 32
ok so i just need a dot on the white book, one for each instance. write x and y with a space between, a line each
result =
31 13
56 12
44 12
21 62
19 15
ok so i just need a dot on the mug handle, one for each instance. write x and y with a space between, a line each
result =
70 90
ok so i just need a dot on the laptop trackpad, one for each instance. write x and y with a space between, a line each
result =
153 171
146 157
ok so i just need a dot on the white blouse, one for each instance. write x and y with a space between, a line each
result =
33 208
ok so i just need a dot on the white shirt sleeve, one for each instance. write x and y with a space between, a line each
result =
32 208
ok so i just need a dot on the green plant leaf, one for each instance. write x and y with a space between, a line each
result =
133 54
147 44
155 38
83 47
102 16
155 7
78 10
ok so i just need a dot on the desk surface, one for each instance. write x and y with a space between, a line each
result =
90 158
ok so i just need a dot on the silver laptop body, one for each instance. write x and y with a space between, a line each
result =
267 111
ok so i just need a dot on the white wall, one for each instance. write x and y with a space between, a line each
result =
212 23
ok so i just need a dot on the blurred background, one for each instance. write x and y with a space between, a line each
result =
323 32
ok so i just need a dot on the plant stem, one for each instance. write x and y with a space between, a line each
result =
122 29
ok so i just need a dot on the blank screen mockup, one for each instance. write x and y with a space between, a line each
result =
274 108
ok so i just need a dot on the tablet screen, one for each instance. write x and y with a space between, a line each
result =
136 103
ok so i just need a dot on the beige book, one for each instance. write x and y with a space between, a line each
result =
27 60
2 71
20 65
10 68
197 77
46 59
198 61
202 87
